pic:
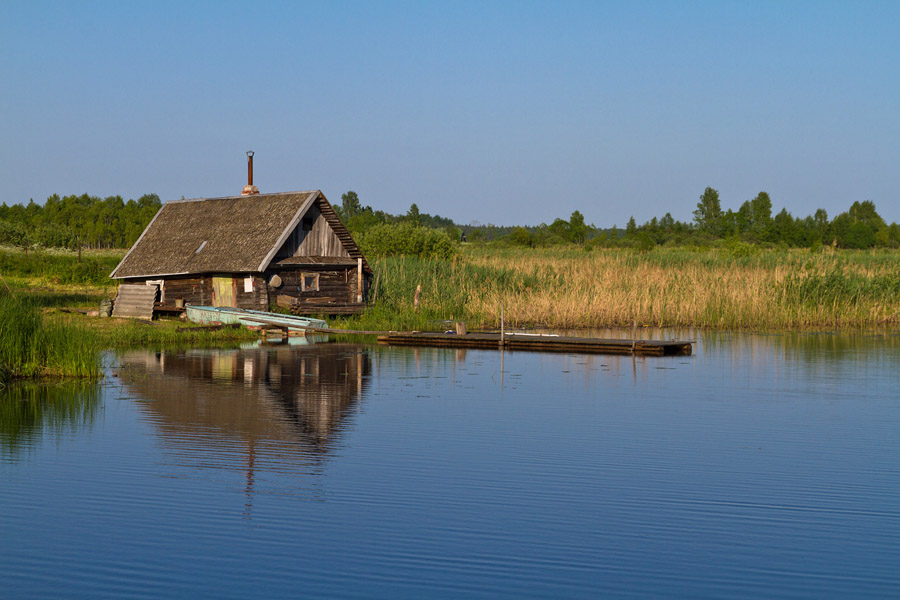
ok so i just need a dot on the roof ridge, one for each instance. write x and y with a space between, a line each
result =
254 196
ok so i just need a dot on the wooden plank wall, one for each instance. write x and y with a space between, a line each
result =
320 241
193 290
198 290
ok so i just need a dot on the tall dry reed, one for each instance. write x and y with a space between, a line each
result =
666 287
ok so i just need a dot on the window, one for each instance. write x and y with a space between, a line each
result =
307 223
309 282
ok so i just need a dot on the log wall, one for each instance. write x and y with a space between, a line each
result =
198 290
257 298
336 286
195 290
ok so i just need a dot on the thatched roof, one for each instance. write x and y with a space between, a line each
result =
238 234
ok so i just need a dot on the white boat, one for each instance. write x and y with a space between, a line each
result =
223 315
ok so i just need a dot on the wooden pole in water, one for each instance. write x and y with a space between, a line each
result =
502 329
634 336
502 369
416 298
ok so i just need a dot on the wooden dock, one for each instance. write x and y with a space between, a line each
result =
539 343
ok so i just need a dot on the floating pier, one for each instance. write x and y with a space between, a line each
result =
539 343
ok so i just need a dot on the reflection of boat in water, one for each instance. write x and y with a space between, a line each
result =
287 399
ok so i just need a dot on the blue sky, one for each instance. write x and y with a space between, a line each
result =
502 112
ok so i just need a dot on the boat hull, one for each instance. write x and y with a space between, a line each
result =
217 315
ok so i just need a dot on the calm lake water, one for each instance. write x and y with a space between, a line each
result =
763 466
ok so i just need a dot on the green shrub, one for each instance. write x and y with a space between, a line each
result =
739 249
393 239
643 242
521 237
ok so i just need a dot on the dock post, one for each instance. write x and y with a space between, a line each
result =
502 329
634 336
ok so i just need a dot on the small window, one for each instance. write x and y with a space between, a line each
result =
307 223
310 282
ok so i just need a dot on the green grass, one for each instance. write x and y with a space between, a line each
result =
120 334
31 347
53 268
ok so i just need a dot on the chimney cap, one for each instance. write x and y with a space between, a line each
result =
249 189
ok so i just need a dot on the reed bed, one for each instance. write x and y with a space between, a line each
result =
570 288
38 341
32 347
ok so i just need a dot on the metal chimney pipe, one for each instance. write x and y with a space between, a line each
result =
249 189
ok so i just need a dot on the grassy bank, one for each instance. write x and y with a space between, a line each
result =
38 340
121 334
718 289
732 288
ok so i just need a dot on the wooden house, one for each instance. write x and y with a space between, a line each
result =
246 251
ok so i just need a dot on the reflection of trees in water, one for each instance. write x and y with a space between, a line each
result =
284 399
820 351
29 410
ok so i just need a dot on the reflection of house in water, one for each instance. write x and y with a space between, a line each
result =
281 401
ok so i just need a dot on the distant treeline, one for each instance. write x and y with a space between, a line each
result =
72 221
358 218
859 227
92 222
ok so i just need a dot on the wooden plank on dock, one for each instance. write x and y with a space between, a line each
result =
540 343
